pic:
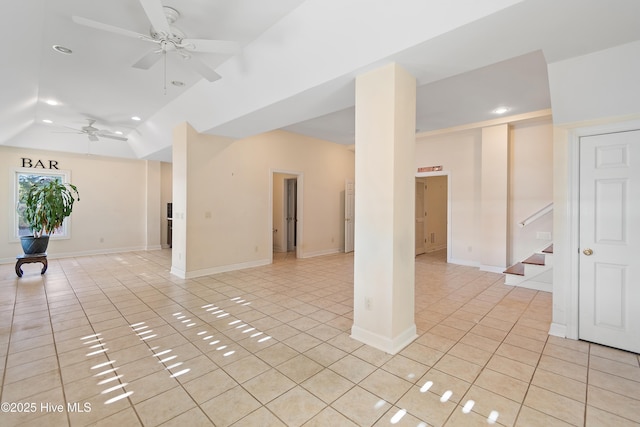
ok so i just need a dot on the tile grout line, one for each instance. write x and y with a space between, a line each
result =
6 360
132 405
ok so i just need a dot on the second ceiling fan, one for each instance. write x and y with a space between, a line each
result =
168 38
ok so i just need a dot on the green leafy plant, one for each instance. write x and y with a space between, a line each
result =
47 204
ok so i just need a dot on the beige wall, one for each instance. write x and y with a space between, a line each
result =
459 154
531 186
222 187
108 212
494 184
530 145
111 215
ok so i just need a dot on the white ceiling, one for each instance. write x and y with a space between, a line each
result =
296 70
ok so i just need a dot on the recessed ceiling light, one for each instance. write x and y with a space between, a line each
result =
177 83
47 121
501 110
52 102
118 132
136 118
62 49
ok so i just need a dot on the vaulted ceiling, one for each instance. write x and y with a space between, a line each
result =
294 68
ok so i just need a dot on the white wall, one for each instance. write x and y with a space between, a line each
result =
227 207
595 93
111 215
597 86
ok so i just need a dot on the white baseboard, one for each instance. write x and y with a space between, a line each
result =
324 252
482 267
492 268
464 262
219 269
178 272
391 345
536 286
558 330
61 255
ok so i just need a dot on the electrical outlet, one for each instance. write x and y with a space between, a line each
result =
367 303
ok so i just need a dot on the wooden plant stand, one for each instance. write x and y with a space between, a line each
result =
27 259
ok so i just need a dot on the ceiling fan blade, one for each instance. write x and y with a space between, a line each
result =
155 14
110 136
106 27
204 70
211 46
148 60
93 137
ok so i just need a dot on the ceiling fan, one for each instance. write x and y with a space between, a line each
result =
94 134
168 38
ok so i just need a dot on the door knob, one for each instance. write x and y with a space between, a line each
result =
588 252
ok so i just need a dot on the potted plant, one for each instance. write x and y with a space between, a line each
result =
46 205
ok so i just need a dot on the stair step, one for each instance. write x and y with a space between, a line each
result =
548 249
517 269
535 259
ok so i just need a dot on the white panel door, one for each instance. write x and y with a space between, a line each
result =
349 229
609 289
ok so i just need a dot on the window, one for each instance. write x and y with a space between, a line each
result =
23 179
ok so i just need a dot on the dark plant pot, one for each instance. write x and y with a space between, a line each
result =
34 245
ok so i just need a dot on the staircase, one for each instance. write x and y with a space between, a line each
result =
535 272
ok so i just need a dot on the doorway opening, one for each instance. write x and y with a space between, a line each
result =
286 214
432 213
291 213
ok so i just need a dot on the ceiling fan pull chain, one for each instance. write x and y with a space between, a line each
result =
164 54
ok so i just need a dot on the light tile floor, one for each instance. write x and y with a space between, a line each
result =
116 340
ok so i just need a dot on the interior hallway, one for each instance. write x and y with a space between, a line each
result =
270 346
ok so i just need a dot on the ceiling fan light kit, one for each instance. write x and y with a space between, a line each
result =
169 39
94 134
62 49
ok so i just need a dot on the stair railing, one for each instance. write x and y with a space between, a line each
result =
535 216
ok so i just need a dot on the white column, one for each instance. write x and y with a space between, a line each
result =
384 258
153 205
494 189
180 187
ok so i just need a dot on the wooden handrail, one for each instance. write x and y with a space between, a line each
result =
531 218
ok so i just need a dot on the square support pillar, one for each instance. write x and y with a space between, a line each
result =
495 197
180 187
384 258
153 205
